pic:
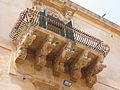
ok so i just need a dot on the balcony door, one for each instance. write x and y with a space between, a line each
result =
54 27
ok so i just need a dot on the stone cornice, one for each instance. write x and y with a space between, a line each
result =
65 5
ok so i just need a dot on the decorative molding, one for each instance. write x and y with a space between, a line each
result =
23 45
63 15
75 68
61 4
55 13
94 69
41 53
65 54
82 64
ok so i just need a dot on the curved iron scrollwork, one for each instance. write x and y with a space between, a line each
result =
33 17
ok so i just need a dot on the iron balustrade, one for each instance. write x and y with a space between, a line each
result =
32 17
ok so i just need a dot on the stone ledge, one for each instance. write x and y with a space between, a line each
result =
85 13
108 82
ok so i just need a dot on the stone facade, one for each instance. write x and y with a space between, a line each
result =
28 70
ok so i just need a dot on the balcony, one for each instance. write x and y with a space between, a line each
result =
66 49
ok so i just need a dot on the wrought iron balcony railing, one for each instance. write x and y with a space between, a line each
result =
34 17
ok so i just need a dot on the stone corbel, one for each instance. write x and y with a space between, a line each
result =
21 55
26 41
94 69
42 52
75 68
65 54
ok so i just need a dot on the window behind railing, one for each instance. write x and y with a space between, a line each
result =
54 27
34 18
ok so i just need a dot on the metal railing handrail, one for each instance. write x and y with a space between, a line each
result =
32 17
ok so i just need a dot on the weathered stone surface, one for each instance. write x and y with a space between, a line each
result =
42 52
75 68
23 45
64 55
21 55
108 34
94 69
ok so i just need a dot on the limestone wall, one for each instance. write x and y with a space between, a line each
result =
10 11
109 79
7 81
112 73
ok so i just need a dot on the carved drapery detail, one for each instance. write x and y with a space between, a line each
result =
23 45
41 53
94 69
65 54
75 68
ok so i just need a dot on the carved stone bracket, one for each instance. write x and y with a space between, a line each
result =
26 41
75 68
65 54
42 52
94 69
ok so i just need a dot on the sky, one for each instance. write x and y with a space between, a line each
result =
100 7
